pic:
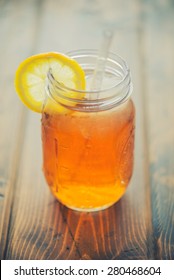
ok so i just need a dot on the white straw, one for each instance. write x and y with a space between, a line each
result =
99 70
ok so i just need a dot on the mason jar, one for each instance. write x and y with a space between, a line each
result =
88 135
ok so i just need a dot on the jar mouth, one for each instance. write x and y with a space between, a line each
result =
94 54
117 72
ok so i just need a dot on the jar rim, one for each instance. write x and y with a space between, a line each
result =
116 94
93 52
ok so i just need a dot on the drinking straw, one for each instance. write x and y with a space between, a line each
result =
99 70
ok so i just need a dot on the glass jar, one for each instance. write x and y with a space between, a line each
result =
88 141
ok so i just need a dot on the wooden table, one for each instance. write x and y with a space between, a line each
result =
141 225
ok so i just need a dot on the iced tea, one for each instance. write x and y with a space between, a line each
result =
88 155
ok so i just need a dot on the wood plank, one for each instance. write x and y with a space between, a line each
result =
41 228
8 123
12 114
158 45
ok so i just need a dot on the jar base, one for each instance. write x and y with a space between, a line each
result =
100 208
92 205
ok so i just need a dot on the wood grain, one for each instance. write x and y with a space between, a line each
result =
12 113
158 42
9 123
140 226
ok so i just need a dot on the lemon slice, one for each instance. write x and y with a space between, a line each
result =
30 78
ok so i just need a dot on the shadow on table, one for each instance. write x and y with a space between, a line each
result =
96 235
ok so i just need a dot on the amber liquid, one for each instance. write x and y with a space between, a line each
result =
88 157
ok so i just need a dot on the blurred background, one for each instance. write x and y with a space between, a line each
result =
144 37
